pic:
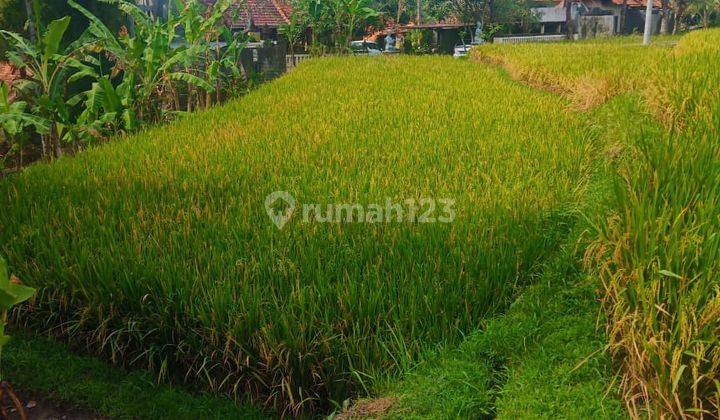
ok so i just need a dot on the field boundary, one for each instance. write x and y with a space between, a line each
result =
47 367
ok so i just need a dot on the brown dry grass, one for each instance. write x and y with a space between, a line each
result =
368 409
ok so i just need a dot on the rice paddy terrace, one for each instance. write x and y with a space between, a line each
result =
156 250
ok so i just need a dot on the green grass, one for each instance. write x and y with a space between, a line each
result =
155 251
39 365
543 359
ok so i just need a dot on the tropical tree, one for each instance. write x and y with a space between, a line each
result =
704 10
149 65
48 69
294 30
15 122
317 15
224 73
680 7
356 12
201 27
337 18
108 81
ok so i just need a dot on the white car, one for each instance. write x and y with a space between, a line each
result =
365 47
462 50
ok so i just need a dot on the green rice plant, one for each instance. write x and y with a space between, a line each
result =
658 253
155 250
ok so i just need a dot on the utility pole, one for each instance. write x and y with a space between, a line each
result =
419 12
397 23
569 23
648 22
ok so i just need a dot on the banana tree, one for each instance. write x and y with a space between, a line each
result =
145 63
356 12
318 16
103 113
347 14
48 67
201 26
15 121
294 31
224 72
12 293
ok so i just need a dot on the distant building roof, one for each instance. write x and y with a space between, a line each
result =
557 13
249 14
8 73
630 3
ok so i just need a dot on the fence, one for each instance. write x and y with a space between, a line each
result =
531 38
292 61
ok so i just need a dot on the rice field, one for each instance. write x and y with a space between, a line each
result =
156 250
588 73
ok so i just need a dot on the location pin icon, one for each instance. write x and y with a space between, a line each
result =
280 217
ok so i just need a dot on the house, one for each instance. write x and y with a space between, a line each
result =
443 35
593 18
262 17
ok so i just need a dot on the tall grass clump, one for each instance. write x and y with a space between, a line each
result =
658 254
156 251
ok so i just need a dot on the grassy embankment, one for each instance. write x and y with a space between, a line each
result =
46 369
588 73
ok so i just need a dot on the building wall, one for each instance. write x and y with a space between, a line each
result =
597 26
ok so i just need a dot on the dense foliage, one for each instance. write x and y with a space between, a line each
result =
107 82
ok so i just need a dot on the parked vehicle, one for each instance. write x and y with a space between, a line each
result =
365 47
461 50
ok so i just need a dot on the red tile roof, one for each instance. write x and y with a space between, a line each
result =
267 13
8 74
638 3
259 13
284 8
